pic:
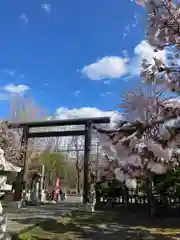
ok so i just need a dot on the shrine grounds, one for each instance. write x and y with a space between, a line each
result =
106 224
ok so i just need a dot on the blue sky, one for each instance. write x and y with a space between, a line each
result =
71 56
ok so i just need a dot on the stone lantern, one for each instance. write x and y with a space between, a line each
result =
5 168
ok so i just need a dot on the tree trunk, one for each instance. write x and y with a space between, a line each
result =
126 196
18 187
78 181
150 194
78 170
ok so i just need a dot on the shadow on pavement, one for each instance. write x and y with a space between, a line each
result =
105 225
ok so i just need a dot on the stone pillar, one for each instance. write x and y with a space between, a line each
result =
4 235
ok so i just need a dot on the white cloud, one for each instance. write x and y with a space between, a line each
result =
107 82
106 94
16 89
144 50
84 112
106 67
12 73
141 51
46 7
76 93
113 67
9 72
23 17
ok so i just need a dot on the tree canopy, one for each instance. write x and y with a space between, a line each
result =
56 165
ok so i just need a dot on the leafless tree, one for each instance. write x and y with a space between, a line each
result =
25 109
78 143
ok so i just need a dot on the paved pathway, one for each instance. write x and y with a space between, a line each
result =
20 219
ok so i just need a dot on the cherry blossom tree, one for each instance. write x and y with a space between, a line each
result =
163 33
146 139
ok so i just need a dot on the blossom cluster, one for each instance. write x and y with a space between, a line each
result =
163 23
162 30
141 153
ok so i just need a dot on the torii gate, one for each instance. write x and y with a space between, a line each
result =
87 122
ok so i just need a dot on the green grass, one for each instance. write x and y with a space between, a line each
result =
103 225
